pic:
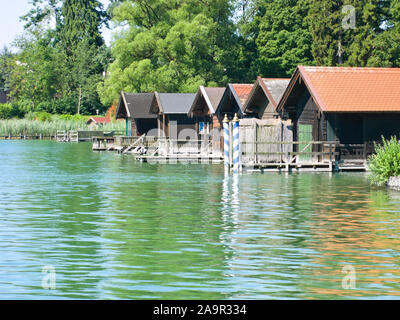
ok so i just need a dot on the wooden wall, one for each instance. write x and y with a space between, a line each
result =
253 130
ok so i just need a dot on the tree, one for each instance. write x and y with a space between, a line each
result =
170 46
284 40
333 42
386 50
5 69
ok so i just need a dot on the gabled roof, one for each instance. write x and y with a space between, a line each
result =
273 88
173 103
239 92
135 105
345 89
242 92
99 120
212 97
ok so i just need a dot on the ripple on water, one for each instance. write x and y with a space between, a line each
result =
115 228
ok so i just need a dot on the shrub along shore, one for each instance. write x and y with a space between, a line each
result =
47 125
385 163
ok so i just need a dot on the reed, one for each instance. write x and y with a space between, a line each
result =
18 127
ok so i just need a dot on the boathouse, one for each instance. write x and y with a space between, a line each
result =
203 112
262 123
264 97
171 111
135 109
232 101
352 106
96 122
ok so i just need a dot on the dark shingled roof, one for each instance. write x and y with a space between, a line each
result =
212 97
215 95
276 87
273 89
138 105
175 103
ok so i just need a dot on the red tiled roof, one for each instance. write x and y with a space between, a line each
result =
343 89
100 119
242 91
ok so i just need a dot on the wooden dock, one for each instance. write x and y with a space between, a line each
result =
296 156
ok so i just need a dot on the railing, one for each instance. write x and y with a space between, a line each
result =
257 152
351 152
102 143
184 147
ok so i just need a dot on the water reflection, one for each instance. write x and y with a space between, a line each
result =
115 228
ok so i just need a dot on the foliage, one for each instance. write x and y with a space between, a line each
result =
58 69
6 111
385 163
175 46
284 40
333 45
169 47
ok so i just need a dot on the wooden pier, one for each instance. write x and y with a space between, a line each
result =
78 135
294 156
155 149
28 137
297 156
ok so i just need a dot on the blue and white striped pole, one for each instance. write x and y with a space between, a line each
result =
226 142
235 144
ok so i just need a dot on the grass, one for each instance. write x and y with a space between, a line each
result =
17 127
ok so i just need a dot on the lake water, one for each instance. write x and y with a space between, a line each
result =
113 228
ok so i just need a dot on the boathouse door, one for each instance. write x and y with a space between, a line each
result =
128 129
305 135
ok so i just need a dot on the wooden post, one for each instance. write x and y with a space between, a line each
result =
287 161
254 143
256 140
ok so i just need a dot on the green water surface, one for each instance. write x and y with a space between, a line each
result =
113 228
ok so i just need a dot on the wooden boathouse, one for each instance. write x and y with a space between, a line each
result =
171 111
264 97
232 101
354 107
135 109
203 112
262 123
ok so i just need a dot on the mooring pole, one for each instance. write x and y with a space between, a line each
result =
226 142
235 144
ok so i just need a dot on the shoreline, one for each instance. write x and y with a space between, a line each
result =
394 183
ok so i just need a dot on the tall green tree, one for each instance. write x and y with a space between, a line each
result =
386 50
5 69
170 46
284 39
344 32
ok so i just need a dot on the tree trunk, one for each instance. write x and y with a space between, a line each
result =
79 101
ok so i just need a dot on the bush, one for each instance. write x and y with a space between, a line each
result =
21 108
66 105
6 111
43 116
385 163
45 106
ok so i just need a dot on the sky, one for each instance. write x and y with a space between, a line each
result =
11 26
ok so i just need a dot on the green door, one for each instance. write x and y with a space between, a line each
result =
305 135
128 129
